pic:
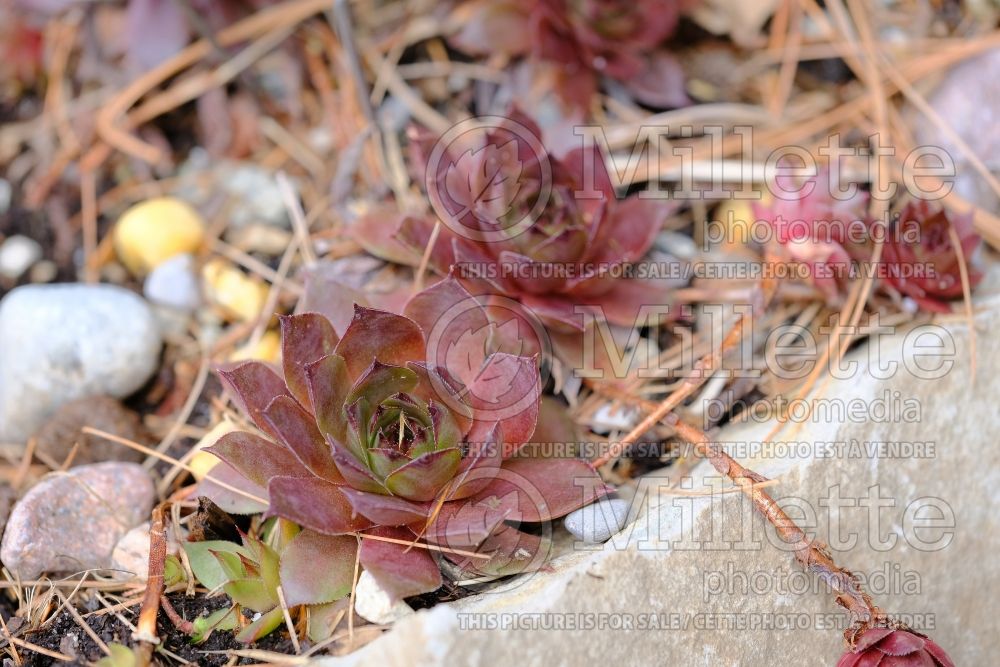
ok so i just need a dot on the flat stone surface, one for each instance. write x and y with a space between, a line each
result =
71 521
597 522
62 342
698 579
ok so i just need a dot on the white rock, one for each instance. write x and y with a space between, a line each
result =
606 418
596 523
62 342
257 195
17 254
374 604
130 558
174 284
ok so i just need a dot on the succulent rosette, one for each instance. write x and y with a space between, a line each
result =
813 227
366 433
585 39
519 224
921 260
888 647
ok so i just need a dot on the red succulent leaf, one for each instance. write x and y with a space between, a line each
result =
543 489
328 386
895 647
438 385
423 477
376 334
416 233
555 426
400 570
660 83
461 524
305 338
484 182
334 300
317 569
376 231
449 312
257 459
506 390
480 463
296 428
227 499
315 504
254 385
489 26
384 510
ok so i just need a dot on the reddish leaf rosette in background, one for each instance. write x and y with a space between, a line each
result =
816 229
516 223
586 40
920 258
368 434
885 647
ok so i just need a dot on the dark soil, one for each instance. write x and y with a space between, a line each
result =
63 634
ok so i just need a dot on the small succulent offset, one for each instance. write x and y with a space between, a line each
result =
815 228
369 436
921 259
519 223
888 647
586 39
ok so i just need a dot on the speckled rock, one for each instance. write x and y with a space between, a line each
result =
55 440
62 342
71 521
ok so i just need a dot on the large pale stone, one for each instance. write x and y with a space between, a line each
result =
706 568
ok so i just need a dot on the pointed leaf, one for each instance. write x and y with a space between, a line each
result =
205 566
225 497
254 385
297 429
543 489
252 594
461 524
257 459
386 510
262 627
317 569
400 570
305 338
507 390
377 334
328 386
422 478
314 503
356 474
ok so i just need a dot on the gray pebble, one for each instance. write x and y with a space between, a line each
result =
174 284
598 522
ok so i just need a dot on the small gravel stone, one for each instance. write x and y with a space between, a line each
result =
131 555
55 440
596 523
17 254
62 342
71 521
375 605
174 284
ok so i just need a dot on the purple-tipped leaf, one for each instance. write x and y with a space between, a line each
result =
257 459
386 510
254 385
328 386
377 334
543 489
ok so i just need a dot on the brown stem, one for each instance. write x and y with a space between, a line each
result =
187 627
811 555
145 631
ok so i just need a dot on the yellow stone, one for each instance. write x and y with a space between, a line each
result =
238 295
268 349
155 230
731 224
